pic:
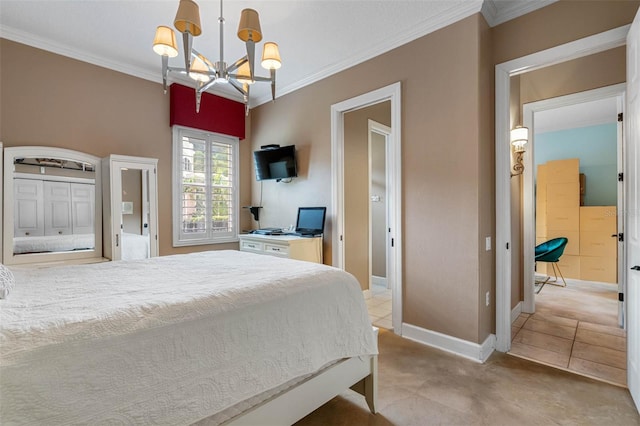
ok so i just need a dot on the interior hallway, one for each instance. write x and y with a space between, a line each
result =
419 385
575 329
379 307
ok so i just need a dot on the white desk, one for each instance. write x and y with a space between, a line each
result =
289 246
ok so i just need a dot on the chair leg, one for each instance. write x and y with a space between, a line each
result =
555 272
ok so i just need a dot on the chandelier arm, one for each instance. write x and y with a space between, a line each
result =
239 88
237 64
273 84
165 72
251 54
206 86
221 66
187 43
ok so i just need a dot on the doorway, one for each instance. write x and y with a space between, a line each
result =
340 167
575 155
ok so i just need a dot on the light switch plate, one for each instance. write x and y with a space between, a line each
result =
487 244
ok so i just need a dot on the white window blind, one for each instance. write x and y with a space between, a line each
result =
205 168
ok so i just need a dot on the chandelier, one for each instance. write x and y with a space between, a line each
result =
240 75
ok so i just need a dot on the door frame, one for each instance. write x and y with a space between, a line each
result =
391 93
385 131
503 73
528 186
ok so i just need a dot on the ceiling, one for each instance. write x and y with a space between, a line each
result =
592 113
317 38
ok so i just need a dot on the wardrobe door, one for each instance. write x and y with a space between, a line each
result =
82 207
28 208
57 208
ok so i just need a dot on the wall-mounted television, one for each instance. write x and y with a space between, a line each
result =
275 163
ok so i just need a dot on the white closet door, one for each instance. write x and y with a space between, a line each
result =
57 208
28 208
82 204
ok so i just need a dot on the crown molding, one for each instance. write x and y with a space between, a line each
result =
455 13
22 37
497 12
60 49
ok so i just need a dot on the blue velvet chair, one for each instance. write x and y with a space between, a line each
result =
550 252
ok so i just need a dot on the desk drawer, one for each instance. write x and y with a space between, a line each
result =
251 246
276 250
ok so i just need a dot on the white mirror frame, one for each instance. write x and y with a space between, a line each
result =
10 154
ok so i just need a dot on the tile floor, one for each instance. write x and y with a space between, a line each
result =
574 328
379 307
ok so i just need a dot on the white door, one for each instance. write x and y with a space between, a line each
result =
83 206
57 208
632 215
28 208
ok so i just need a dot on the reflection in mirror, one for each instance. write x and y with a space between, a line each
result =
134 220
53 205
52 197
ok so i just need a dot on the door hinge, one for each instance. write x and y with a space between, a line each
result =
620 297
340 237
507 246
620 116
620 177
392 242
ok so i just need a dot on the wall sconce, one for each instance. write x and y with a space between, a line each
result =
519 138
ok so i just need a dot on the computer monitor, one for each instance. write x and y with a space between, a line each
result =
311 220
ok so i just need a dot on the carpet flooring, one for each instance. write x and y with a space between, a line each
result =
419 385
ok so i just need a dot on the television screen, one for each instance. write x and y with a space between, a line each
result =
275 163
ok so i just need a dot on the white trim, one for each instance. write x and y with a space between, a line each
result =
392 93
509 10
460 347
457 12
367 294
10 153
528 186
515 312
176 172
586 46
379 281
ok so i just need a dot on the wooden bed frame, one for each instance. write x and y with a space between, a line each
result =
358 373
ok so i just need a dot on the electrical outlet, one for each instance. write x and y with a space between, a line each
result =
486 299
487 244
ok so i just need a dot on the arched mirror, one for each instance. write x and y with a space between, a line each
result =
52 205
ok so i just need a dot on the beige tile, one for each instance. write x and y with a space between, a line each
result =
601 339
545 341
549 328
540 355
554 319
519 322
375 302
600 354
384 323
605 329
379 311
604 372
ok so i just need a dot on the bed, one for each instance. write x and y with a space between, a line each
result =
135 246
53 243
207 338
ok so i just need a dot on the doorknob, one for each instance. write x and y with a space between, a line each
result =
635 268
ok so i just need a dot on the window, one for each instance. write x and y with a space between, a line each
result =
205 187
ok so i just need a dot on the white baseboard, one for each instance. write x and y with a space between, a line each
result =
515 312
379 281
463 348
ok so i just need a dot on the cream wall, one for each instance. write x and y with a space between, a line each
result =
50 100
356 188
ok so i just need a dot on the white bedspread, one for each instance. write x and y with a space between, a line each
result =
50 243
169 340
135 246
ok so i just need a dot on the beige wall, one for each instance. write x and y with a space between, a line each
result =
378 185
442 163
51 100
132 192
356 188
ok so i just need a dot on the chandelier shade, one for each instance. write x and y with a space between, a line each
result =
249 27
164 43
188 18
271 56
239 74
